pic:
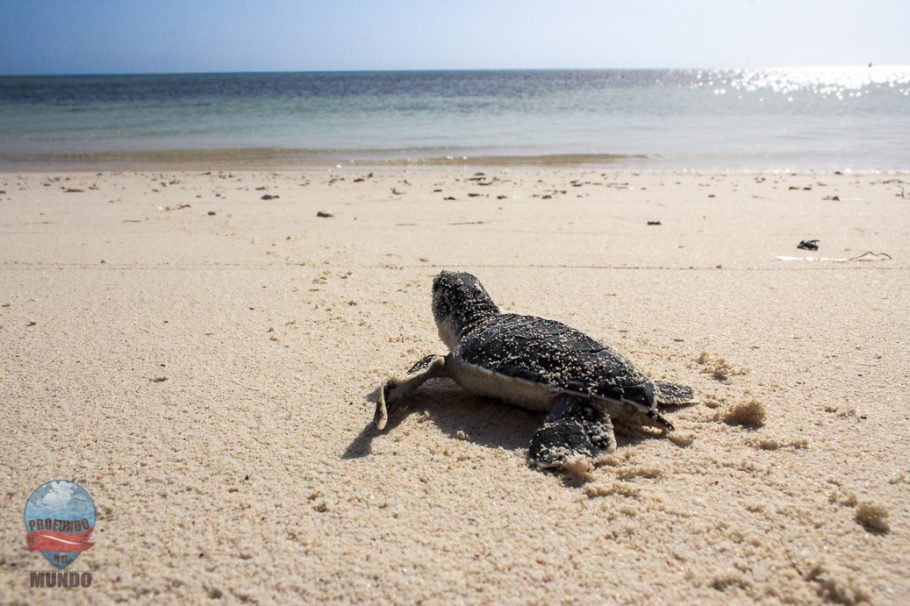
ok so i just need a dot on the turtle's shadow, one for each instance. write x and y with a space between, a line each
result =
362 445
461 416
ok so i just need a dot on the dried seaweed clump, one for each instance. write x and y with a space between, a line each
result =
748 414
873 517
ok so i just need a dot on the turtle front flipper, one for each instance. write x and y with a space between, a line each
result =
573 431
673 394
396 388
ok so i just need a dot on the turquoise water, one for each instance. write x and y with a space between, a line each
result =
826 118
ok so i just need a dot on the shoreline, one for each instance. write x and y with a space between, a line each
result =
264 159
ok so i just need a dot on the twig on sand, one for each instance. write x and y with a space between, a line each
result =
877 256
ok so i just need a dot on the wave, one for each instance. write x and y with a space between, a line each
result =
278 157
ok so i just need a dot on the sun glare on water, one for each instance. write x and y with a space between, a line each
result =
839 82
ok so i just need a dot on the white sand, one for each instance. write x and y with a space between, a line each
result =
251 472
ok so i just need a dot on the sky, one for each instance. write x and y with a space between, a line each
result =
142 36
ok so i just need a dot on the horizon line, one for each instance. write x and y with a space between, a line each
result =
446 69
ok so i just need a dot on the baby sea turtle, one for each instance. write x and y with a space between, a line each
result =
536 364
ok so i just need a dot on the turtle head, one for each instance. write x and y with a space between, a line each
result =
459 301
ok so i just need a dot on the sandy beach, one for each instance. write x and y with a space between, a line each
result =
204 361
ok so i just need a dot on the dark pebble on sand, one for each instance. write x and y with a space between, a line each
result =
808 244
324 214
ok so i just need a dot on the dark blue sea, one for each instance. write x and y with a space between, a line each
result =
757 119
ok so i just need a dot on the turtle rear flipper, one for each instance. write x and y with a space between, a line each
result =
573 430
395 389
673 394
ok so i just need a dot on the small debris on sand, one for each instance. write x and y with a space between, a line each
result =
872 516
579 467
713 401
324 215
808 244
646 471
681 439
747 414
606 490
843 497
872 256
654 223
718 367
211 213
833 584
772 444
269 197
158 379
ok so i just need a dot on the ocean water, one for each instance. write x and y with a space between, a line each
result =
757 119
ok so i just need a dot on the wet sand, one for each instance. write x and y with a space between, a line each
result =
207 372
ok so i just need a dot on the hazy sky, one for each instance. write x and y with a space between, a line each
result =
115 36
